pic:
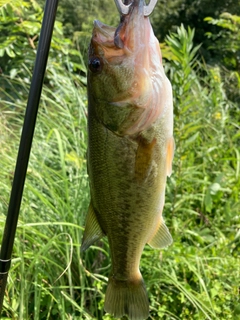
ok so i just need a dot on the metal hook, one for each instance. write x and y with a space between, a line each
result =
149 8
124 8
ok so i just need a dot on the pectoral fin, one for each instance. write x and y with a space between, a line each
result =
144 158
93 231
170 154
162 238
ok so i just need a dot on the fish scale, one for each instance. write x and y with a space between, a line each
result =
130 151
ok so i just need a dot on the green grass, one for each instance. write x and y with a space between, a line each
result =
198 276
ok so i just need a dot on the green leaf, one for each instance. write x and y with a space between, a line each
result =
208 201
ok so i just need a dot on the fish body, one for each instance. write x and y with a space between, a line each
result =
130 152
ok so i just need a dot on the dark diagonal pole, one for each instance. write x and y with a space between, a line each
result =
25 143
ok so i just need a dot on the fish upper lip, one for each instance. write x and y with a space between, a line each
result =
122 36
105 30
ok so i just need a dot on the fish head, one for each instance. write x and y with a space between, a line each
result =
126 79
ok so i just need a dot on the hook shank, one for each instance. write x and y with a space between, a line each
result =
125 8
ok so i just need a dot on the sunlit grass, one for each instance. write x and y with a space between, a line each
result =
195 278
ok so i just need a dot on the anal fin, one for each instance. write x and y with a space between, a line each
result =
93 231
162 238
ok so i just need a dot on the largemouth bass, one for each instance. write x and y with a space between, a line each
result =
130 152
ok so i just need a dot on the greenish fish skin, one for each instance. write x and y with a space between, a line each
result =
130 152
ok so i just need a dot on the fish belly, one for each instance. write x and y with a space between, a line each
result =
127 183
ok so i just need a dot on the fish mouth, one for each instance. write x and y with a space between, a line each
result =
103 34
102 43
113 42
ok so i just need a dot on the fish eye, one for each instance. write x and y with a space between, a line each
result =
95 64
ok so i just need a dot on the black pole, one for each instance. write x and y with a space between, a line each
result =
25 143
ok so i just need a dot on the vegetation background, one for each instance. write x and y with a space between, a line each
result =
198 277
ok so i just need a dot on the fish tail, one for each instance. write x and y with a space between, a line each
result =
127 297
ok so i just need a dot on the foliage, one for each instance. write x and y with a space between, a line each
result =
206 186
182 55
168 15
227 40
226 47
198 276
78 16
20 24
46 255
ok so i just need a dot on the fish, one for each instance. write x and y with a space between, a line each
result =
130 153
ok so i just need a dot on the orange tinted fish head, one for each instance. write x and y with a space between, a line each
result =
126 77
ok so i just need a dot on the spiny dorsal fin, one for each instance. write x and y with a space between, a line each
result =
162 238
93 231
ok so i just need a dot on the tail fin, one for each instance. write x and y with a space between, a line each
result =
127 298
